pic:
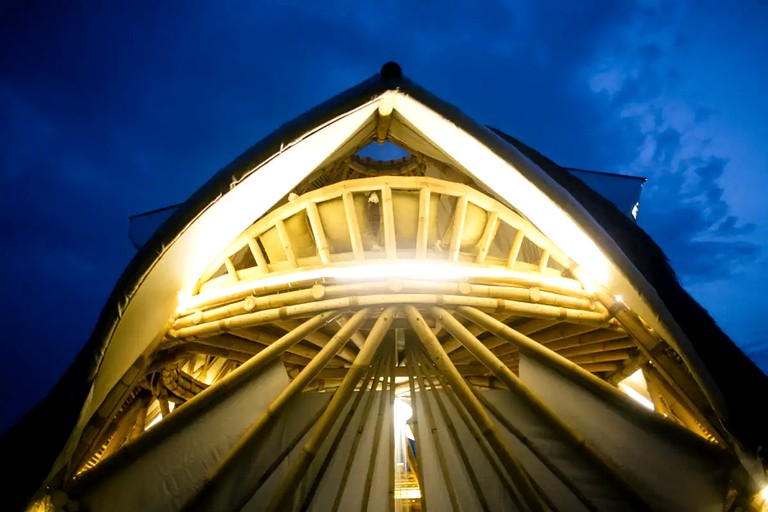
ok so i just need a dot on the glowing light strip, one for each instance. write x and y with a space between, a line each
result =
637 397
421 270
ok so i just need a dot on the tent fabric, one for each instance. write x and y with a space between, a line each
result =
685 475
169 470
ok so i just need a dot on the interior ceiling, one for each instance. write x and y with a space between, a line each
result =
536 296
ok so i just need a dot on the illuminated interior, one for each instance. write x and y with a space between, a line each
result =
416 290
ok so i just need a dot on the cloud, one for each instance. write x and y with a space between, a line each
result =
683 205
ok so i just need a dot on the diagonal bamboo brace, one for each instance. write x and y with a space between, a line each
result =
519 476
230 463
513 382
284 495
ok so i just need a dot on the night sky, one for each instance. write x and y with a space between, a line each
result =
110 110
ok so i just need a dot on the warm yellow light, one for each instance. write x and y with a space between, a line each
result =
415 270
764 493
637 389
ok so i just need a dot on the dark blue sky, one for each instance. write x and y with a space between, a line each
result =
108 109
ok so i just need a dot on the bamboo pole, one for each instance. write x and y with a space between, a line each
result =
377 432
418 439
388 222
355 238
251 437
318 233
284 494
342 485
391 398
370 376
251 368
289 448
124 427
538 453
422 231
285 241
514 251
435 431
503 373
319 339
454 435
477 412
489 232
459 217
542 311
682 381
479 439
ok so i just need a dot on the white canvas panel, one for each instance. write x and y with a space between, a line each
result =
674 470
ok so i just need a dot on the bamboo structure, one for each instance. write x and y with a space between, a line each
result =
352 282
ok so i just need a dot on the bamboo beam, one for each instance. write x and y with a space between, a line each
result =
316 225
319 339
258 255
491 226
454 435
587 338
422 232
357 338
418 439
284 494
503 373
285 241
600 347
499 305
674 373
477 436
627 369
124 427
434 431
355 237
231 268
391 451
514 250
388 223
544 260
251 438
477 412
208 398
459 217
377 433
371 376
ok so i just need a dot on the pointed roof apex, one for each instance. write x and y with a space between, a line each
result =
391 71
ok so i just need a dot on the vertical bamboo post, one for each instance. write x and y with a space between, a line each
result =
284 494
459 217
251 437
478 438
342 484
391 398
388 222
321 242
369 376
489 233
518 474
418 438
377 431
355 238
514 251
422 231
504 374
414 367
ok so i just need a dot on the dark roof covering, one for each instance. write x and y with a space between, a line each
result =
48 425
